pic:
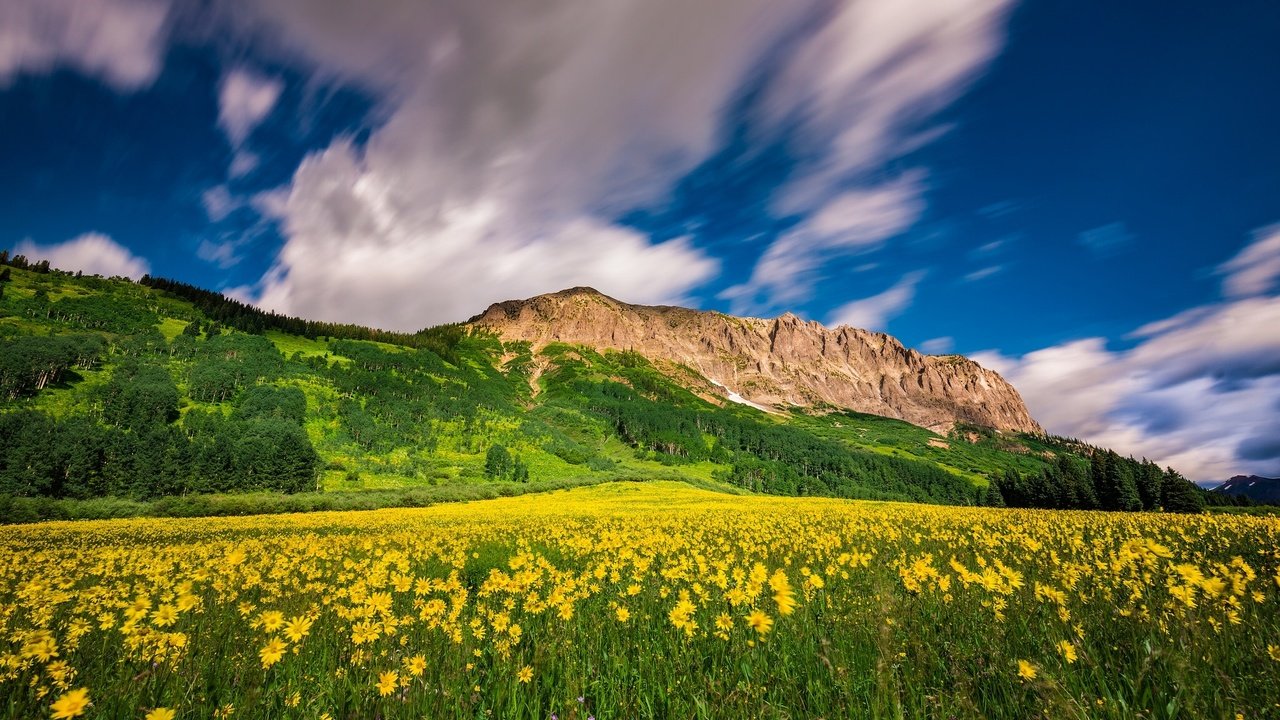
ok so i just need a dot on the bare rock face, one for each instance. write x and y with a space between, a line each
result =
779 362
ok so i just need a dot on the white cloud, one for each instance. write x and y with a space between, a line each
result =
854 221
1197 392
983 273
861 91
120 41
352 257
512 135
219 202
1106 239
242 163
245 98
875 312
92 253
987 249
510 128
222 253
1256 268
938 345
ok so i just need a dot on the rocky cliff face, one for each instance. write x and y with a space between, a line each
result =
775 363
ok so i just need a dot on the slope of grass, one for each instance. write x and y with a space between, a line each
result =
388 418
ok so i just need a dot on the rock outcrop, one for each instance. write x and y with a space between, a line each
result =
776 363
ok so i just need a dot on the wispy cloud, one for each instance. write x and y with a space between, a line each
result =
93 253
855 221
219 202
998 209
1189 393
938 345
245 98
121 42
1256 268
861 91
1107 239
875 312
983 273
517 132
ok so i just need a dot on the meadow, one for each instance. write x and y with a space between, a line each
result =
657 599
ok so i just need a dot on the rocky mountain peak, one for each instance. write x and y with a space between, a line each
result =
774 363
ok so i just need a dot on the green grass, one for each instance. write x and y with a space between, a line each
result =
556 431
171 328
976 461
306 347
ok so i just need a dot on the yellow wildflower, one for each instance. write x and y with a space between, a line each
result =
387 682
71 704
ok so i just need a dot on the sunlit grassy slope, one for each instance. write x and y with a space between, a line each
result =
390 417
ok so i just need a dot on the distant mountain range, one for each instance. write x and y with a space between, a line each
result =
1254 487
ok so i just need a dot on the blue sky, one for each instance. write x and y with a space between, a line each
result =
1081 195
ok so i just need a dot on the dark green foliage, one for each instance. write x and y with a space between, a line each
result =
497 463
145 457
107 313
30 364
992 497
766 457
1113 482
265 401
139 396
27 468
225 364
274 454
519 471
1150 482
1180 495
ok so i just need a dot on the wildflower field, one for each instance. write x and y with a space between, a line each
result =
644 600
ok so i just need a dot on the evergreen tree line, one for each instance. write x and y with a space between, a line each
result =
1106 481
247 318
138 449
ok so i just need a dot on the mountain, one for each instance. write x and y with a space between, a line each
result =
775 363
1255 487
120 397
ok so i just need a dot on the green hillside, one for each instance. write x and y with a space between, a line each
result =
143 392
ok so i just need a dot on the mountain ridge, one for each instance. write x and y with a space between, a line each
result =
775 363
1254 487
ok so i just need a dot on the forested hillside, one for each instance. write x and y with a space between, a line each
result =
156 389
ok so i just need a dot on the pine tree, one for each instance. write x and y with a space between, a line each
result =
992 497
1179 494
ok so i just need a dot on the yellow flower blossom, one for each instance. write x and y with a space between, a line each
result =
272 652
71 704
387 682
